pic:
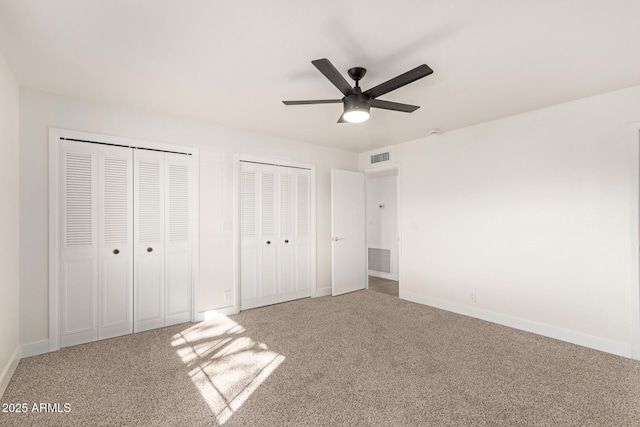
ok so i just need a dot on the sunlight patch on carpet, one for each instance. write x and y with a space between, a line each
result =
227 365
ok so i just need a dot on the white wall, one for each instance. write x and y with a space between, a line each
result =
39 111
382 224
9 223
532 213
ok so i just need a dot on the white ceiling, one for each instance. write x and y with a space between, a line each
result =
232 62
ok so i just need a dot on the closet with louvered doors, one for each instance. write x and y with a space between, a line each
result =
275 234
125 255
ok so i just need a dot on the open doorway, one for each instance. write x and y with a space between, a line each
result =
383 261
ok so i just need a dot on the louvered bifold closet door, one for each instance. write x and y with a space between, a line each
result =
115 200
295 248
79 243
275 234
286 238
258 235
302 233
250 210
178 239
149 238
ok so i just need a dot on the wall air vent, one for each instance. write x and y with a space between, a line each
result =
380 157
380 260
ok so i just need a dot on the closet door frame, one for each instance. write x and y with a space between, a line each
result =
55 136
238 159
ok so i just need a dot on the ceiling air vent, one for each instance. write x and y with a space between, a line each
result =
380 157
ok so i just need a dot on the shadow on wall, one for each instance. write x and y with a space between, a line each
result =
226 365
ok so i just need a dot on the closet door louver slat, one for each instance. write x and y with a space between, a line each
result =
78 199
303 205
268 205
178 203
117 190
286 204
149 202
248 204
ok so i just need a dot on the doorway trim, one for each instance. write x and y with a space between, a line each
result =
238 158
55 135
634 290
398 170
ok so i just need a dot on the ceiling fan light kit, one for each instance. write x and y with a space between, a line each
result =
356 108
357 104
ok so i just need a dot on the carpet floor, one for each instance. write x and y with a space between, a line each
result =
363 358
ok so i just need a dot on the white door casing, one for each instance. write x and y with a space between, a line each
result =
348 232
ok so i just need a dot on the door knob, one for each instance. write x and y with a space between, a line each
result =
286 241
336 238
268 242
149 249
116 251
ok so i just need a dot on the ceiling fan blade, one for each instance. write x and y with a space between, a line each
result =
397 82
326 67
315 101
395 106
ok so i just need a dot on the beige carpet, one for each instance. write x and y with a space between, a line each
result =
360 359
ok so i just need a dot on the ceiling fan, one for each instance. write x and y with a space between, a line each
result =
356 102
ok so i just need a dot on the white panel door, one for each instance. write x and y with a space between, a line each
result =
178 239
149 238
79 243
115 284
348 232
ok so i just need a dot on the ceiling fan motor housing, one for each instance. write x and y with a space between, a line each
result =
357 102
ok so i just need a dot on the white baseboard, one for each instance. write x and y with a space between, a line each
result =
35 348
214 314
8 370
228 311
601 344
323 292
382 275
